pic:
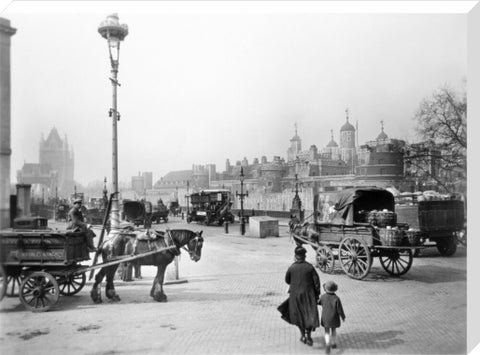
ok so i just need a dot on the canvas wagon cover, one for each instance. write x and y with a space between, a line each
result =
133 209
351 201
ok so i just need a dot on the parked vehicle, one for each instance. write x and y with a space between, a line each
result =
61 212
134 212
210 206
160 213
437 222
357 225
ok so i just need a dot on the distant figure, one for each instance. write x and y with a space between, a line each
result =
332 311
76 221
304 293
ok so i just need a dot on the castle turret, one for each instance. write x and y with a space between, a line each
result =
347 141
295 146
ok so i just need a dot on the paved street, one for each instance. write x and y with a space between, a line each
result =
228 306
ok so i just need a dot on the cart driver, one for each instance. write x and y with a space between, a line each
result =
77 222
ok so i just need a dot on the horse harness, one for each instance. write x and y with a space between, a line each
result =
177 251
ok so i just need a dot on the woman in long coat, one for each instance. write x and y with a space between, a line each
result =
304 293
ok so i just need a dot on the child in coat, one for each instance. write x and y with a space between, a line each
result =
332 311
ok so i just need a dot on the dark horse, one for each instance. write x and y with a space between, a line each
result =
305 230
130 244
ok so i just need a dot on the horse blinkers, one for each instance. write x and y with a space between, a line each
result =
195 247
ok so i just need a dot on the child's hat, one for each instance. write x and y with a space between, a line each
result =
300 251
330 286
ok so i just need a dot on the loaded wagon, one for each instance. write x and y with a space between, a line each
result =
439 223
137 212
160 213
45 263
359 226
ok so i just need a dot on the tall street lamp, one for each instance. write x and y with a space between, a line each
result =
242 196
114 33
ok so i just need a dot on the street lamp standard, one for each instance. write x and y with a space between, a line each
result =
114 33
242 196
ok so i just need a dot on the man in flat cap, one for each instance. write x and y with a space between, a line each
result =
304 293
77 222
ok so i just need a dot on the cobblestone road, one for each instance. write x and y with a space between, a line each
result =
228 306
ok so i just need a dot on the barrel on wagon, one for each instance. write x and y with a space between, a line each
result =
353 226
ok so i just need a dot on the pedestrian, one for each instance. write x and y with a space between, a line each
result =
301 307
332 311
76 221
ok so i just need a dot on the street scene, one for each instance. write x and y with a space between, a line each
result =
236 177
227 303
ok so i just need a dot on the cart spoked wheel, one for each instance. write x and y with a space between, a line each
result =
396 262
354 257
39 291
3 282
325 259
71 284
447 246
14 280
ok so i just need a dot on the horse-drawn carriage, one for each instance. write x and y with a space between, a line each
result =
211 206
45 263
61 211
361 225
174 207
137 212
160 212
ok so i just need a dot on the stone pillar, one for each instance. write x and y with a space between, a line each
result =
23 200
5 148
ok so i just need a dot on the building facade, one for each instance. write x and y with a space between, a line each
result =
378 162
55 171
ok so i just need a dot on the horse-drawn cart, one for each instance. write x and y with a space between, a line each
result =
361 226
46 263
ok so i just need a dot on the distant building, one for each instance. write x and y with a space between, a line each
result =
142 182
55 170
378 162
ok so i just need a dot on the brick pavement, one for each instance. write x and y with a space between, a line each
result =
228 306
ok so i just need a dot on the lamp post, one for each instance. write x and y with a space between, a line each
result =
242 196
114 33
187 197
296 210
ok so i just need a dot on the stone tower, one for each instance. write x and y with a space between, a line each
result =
295 146
347 142
56 152
5 147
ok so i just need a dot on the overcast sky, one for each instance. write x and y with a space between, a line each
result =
198 88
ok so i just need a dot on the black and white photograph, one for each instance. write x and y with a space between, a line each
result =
238 177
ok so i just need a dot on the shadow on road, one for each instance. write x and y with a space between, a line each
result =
433 274
367 340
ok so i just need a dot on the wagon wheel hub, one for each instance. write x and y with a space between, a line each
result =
38 291
354 256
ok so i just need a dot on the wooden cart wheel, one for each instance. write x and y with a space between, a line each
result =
447 246
39 291
396 262
354 257
14 280
325 260
3 282
71 284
